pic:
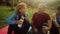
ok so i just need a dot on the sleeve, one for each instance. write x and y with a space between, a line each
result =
48 17
9 20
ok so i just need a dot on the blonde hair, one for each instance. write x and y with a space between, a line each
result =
20 5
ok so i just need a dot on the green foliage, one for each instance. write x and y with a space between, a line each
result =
4 13
53 5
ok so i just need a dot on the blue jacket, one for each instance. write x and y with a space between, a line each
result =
10 19
58 19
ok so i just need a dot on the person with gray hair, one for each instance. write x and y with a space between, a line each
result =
41 21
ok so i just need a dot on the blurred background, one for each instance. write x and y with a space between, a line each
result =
7 8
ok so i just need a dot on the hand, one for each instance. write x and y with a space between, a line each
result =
45 29
59 30
26 18
58 27
20 22
36 31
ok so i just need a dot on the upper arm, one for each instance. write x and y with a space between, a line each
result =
48 21
10 20
48 17
49 24
54 17
11 17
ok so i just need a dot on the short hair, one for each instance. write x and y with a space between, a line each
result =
42 5
58 7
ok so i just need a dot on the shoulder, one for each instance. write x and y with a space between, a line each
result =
46 14
14 13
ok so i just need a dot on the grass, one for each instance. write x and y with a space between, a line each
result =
5 13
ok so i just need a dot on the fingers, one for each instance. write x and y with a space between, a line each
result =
20 22
45 29
26 18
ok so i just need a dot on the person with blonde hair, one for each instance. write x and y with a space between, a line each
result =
19 21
